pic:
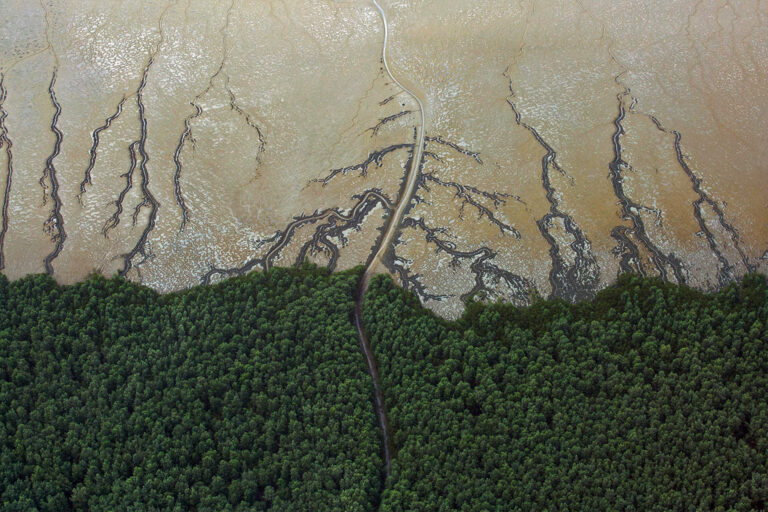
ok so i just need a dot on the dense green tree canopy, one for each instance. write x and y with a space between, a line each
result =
652 397
253 394
247 395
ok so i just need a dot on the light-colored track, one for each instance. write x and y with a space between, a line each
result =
384 244
413 172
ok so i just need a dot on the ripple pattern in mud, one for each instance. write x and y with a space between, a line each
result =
560 146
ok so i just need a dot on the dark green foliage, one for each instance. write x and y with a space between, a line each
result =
247 395
253 394
651 397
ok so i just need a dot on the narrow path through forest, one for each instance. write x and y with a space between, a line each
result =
383 246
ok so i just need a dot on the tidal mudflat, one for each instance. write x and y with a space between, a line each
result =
561 143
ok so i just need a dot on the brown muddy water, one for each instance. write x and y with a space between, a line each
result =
564 142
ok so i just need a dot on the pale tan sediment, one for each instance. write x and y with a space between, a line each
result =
30 113
566 66
526 155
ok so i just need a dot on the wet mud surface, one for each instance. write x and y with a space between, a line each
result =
186 141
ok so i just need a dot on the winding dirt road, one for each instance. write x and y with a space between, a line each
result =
413 172
383 246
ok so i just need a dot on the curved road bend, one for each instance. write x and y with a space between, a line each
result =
381 250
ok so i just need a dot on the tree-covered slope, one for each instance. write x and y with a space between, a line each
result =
653 397
247 395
